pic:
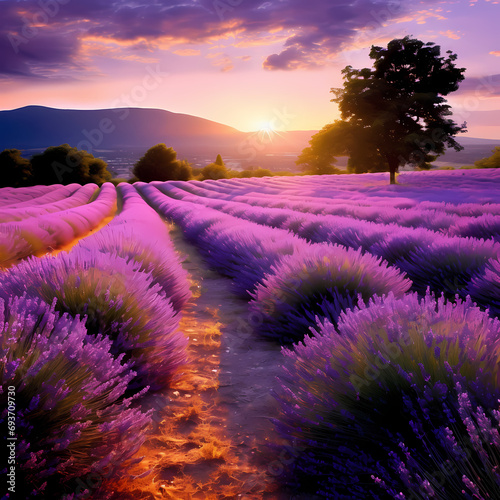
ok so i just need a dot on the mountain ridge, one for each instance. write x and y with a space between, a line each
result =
36 127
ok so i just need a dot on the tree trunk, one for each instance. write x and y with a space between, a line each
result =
393 168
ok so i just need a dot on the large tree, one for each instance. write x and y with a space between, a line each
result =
395 113
160 163
67 165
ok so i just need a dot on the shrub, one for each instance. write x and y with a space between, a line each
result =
484 288
246 251
256 172
344 231
118 180
485 226
448 264
399 244
160 163
214 172
65 165
71 418
492 161
15 170
158 261
118 300
394 396
319 280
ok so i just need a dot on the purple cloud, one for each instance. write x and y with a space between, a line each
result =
481 87
318 29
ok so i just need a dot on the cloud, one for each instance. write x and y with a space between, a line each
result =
495 53
222 61
187 52
309 34
290 59
481 87
450 34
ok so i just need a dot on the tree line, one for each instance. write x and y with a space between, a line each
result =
65 164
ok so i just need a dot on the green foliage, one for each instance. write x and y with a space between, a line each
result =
218 161
160 163
319 157
393 114
196 172
492 161
256 172
14 169
184 171
214 171
118 180
67 165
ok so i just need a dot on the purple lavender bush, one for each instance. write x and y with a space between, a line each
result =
484 288
398 245
401 401
485 226
448 264
246 251
71 417
319 281
118 301
158 260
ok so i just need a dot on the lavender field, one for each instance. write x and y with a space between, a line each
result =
289 337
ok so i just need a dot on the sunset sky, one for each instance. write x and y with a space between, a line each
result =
250 64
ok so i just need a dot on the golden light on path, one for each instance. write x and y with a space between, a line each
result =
194 451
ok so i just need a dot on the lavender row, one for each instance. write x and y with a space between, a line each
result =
95 330
73 198
289 280
445 264
32 195
139 235
399 401
71 416
474 219
450 187
35 236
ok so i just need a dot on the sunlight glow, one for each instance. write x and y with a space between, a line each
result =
267 130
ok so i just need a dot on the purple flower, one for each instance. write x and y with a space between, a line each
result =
71 417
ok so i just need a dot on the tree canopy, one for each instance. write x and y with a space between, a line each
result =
15 171
216 170
393 114
67 165
160 163
492 161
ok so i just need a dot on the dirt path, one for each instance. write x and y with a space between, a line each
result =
212 426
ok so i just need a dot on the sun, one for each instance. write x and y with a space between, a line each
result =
267 131
267 128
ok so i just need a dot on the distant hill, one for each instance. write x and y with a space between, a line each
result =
39 127
105 131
